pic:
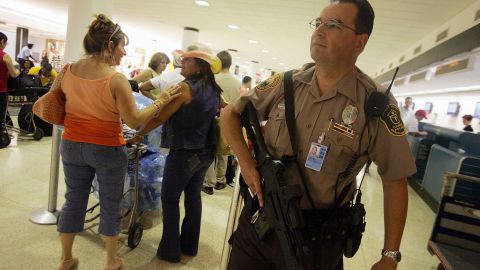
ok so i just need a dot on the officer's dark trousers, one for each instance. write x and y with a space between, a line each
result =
250 253
184 171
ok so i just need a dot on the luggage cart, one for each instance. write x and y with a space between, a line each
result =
454 239
26 97
135 227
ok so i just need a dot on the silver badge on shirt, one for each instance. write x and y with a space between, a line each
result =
349 115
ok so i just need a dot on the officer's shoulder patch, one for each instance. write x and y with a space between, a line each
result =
393 122
269 83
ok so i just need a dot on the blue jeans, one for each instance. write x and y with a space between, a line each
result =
81 161
184 171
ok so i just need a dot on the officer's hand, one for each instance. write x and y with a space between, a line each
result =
252 179
385 264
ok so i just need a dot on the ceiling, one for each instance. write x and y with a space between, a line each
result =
280 27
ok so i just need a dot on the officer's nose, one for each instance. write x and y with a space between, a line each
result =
319 31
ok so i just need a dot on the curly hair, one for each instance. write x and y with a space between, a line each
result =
100 32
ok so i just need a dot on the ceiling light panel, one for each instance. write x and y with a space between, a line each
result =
202 3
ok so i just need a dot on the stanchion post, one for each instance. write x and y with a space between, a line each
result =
49 216
235 209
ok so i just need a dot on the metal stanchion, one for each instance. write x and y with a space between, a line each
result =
235 209
50 216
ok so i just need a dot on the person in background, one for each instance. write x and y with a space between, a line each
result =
97 98
45 72
330 91
192 149
406 110
165 79
44 59
215 177
27 65
246 85
25 54
6 69
411 123
158 63
467 121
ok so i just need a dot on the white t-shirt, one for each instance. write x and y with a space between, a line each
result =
411 123
168 79
405 113
24 53
230 86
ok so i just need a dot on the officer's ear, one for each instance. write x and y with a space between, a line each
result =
361 42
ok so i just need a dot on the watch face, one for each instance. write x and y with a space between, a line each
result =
399 257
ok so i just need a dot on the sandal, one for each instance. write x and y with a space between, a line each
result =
119 262
68 264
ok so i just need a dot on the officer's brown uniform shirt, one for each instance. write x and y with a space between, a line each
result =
384 139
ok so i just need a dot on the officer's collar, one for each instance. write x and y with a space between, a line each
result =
348 85
305 75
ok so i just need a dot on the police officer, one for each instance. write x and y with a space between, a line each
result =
329 96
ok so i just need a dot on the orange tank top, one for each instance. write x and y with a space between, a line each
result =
91 113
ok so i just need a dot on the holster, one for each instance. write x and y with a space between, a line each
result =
343 226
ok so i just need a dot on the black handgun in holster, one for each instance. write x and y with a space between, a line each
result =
281 211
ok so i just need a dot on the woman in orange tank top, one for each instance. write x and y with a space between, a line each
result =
97 98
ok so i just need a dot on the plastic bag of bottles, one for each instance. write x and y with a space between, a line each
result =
150 175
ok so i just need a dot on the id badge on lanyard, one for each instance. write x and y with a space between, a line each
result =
316 156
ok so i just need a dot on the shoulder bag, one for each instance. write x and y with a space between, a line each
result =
51 106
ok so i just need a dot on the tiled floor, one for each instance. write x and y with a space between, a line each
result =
24 181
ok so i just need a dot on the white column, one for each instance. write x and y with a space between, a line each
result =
190 35
80 15
254 68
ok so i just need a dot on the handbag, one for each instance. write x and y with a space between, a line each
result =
223 148
51 106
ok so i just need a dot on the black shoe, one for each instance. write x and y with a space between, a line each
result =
208 190
220 186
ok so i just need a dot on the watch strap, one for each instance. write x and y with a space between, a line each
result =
392 254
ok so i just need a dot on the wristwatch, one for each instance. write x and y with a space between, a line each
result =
394 255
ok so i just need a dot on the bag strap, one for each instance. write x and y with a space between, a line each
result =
290 119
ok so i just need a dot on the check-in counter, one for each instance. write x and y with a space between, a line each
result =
445 150
420 147
442 160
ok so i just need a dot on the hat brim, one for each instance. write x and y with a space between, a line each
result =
212 60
